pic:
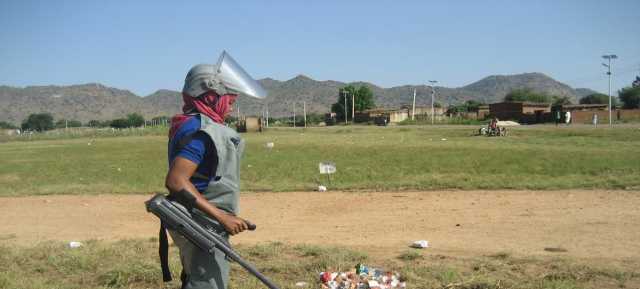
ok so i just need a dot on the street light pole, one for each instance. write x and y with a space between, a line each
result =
608 66
267 115
344 93
433 93
353 108
413 109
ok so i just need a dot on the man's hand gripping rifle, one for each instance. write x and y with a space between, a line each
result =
177 219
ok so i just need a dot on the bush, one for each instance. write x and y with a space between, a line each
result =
7 125
119 123
97 123
135 120
38 122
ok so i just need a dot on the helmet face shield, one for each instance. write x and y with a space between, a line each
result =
231 75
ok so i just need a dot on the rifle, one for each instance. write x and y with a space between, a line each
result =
178 219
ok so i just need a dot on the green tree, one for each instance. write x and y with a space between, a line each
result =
119 123
597 98
473 105
97 123
7 125
38 122
561 100
135 120
467 106
526 94
363 101
630 97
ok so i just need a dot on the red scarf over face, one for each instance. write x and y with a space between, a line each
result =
216 107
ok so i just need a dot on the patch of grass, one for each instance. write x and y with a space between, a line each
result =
366 157
309 250
447 276
410 255
133 264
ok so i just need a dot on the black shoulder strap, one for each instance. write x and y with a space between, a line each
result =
164 253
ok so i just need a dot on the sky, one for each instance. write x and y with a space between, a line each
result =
143 46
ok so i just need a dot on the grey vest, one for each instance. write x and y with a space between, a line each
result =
224 188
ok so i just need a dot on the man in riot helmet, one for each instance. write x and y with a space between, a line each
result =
204 166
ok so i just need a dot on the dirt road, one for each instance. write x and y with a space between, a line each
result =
589 224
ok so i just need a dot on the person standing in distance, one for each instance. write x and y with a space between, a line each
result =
204 166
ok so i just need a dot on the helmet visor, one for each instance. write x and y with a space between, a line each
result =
233 77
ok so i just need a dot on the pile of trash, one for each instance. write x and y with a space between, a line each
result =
362 277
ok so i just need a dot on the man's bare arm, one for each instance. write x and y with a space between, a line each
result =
178 179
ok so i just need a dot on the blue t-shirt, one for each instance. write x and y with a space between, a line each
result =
192 144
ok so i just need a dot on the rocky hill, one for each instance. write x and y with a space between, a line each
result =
95 101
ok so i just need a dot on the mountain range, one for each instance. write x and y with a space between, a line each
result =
95 101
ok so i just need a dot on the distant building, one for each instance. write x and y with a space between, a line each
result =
380 115
330 118
583 113
483 111
523 112
249 124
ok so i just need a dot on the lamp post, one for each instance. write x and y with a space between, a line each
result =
413 107
608 66
353 108
433 93
344 94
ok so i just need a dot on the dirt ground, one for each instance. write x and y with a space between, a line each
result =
589 224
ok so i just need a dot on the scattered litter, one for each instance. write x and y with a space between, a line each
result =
443 139
327 167
269 145
555 249
74 244
119 169
301 284
507 123
322 188
457 225
362 277
421 244
248 166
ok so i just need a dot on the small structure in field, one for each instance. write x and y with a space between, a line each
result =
523 112
249 124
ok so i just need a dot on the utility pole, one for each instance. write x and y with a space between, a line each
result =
294 114
608 66
433 96
345 106
353 108
267 115
413 110
304 112
238 111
